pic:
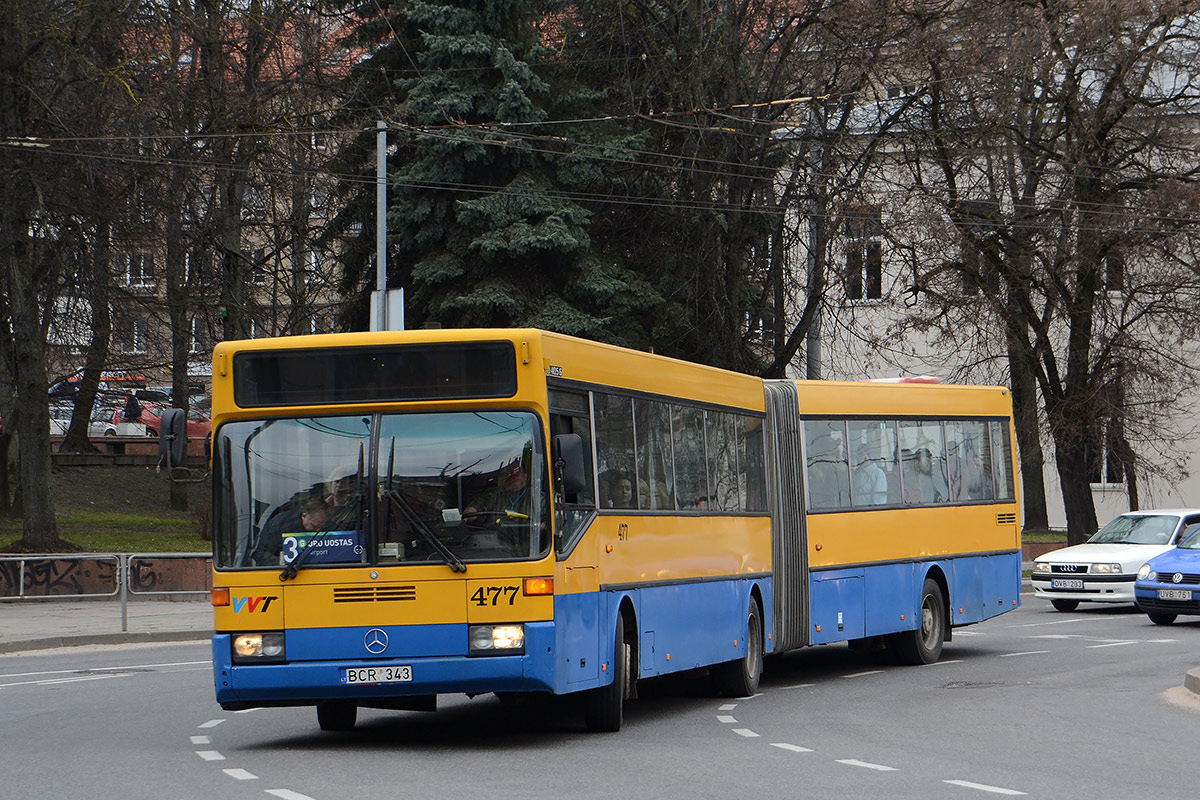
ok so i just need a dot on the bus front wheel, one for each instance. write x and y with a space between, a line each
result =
604 706
924 645
740 677
336 715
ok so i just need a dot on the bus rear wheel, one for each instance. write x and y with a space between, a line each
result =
604 706
923 645
740 677
336 715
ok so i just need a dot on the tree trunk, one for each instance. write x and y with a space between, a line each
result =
1029 442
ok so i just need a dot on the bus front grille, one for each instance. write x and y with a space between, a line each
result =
373 594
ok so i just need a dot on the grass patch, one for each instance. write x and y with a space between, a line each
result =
1043 536
113 532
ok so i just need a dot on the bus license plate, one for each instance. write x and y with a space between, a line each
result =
1064 583
394 674
1174 594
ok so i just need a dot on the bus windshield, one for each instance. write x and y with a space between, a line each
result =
448 487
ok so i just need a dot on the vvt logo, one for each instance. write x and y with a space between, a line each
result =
251 604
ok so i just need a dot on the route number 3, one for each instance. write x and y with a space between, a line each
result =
492 595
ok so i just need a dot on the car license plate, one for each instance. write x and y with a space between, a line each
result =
1174 594
393 674
1066 583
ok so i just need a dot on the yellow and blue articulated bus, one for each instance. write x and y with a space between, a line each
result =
404 514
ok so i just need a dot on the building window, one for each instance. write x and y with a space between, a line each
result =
864 254
131 337
141 269
258 267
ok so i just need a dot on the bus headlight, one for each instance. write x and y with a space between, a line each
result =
496 639
258 647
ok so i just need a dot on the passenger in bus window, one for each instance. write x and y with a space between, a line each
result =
870 481
619 491
922 482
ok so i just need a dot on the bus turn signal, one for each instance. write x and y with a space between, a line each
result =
539 586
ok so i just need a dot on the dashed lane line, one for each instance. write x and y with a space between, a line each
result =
212 723
726 719
864 674
749 734
1108 644
854 762
210 755
201 740
288 794
1025 653
794 748
240 774
983 787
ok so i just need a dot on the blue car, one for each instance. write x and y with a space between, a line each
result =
1169 584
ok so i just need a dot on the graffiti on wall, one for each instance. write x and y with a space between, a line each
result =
98 575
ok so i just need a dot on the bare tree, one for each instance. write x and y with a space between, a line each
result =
1056 139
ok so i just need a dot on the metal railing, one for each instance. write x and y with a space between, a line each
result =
129 577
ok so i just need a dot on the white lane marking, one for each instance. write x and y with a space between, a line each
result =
288 794
210 755
212 723
240 774
970 633
1163 641
1055 622
725 718
102 669
854 762
728 707
1056 636
1026 653
863 674
201 740
940 663
983 787
58 681
795 748
749 734
1110 644
798 686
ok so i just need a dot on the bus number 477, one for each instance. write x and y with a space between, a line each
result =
491 595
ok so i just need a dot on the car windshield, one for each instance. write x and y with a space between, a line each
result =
450 487
1139 529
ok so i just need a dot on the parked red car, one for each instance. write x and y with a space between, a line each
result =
198 425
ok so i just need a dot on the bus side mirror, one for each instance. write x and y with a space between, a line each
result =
172 439
567 449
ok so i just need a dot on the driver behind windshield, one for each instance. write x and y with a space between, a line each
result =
312 516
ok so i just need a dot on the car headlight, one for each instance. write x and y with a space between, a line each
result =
1106 569
496 639
1147 574
258 647
1041 566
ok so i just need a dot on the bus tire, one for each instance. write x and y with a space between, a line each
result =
1159 618
336 715
740 677
923 645
604 706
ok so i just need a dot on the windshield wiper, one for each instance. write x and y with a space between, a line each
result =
400 502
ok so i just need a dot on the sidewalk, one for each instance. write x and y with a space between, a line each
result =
41 624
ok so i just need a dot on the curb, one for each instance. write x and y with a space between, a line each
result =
1191 681
109 638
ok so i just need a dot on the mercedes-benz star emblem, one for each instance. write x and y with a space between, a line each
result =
376 641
